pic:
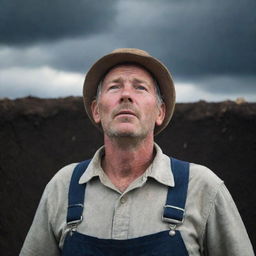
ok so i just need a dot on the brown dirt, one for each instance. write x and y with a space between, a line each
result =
39 136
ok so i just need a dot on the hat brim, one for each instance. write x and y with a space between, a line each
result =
153 65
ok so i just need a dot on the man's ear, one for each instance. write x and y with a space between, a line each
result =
95 111
161 114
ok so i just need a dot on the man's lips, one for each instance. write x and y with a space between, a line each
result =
126 112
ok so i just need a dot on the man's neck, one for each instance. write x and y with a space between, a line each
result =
125 159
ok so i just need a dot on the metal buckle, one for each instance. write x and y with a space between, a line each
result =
75 205
75 222
174 221
71 227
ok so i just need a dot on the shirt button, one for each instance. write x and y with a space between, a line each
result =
123 200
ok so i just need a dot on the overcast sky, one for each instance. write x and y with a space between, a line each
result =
209 46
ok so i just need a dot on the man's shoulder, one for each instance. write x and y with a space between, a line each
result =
204 187
203 177
62 177
65 172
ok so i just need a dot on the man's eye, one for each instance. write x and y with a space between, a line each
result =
113 87
141 87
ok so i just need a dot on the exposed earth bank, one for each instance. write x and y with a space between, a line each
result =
39 136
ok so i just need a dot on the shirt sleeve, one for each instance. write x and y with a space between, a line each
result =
40 240
225 233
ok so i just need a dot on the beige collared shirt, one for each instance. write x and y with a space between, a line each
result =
212 225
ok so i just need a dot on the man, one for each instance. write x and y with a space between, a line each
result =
131 199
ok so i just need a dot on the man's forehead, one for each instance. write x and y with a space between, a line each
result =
128 68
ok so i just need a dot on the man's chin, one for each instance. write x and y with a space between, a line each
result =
118 133
123 133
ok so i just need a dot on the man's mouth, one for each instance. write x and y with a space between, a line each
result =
126 112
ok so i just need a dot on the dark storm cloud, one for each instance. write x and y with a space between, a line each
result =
239 85
218 39
208 44
196 38
30 21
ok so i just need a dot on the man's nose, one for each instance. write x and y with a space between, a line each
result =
126 95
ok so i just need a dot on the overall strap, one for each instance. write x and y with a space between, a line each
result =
76 194
174 210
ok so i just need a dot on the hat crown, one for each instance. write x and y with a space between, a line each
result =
131 50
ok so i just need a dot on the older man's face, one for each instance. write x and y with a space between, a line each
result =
127 104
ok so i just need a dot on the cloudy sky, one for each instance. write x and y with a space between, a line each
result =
209 46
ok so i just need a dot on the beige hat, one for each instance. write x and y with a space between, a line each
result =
119 56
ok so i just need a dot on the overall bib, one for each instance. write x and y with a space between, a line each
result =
165 243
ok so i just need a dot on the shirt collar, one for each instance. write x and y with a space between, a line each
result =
160 169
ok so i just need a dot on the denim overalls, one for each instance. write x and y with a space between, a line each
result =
164 243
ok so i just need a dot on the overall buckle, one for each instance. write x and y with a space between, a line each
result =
174 216
72 224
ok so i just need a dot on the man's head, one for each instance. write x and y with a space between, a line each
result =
127 103
159 75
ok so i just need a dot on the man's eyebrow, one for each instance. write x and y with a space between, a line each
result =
116 80
120 80
140 81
